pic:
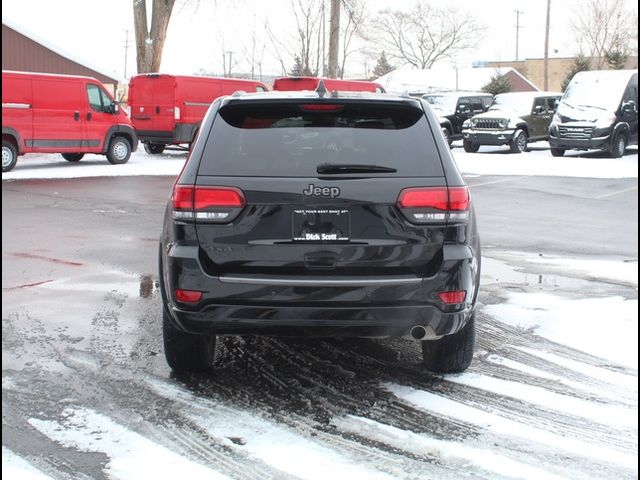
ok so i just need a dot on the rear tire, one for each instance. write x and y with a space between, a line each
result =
519 141
470 147
72 157
9 156
119 151
186 352
618 145
558 152
451 353
154 148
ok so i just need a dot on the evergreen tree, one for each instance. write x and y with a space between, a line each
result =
580 64
498 84
616 59
296 71
382 67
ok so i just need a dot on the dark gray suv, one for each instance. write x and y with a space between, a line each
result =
454 108
300 213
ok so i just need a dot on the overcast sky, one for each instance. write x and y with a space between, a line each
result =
201 30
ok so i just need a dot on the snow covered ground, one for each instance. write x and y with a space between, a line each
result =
489 161
552 392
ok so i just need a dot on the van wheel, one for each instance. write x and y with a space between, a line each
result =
154 148
73 157
119 150
9 156
186 352
616 150
446 135
451 353
470 147
558 152
518 143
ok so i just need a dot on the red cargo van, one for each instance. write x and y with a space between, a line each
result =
72 115
168 109
331 84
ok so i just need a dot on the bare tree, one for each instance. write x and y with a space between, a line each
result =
425 34
354 27
150 42
604 26
307 43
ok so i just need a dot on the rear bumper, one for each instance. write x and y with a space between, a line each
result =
321 305
501 137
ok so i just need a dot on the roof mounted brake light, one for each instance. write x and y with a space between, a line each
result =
321 107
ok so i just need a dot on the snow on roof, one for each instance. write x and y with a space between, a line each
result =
443 79
54 48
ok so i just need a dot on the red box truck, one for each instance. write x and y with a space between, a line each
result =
331 84
72 115
168 109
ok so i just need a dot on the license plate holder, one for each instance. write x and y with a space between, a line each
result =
321 225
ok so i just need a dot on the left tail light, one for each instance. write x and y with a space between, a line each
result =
207 204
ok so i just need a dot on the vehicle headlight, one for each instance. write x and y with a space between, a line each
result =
605 122
474 122
466 124
556 118
503 122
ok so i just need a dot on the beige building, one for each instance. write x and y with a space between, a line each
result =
533 69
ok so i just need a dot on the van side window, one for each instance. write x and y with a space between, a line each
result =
630 94
98 99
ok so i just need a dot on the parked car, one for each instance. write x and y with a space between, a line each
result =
599 110
331 84
515 119
456 107
168 109
71 115
311 215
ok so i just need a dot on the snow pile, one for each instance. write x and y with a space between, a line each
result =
604 327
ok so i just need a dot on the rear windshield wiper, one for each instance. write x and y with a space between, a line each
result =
329 168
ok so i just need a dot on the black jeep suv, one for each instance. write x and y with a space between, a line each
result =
302 213
453 108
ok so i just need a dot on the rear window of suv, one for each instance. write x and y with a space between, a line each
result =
292 140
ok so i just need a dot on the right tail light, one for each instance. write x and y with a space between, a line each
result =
435 204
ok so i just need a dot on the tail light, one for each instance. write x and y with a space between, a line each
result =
435 204
207 204
176 113
188 296
452 298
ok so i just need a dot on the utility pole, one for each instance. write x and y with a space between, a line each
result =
334 38
230 62
518 27
546 47
126 51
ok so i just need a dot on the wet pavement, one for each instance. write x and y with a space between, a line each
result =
87 393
